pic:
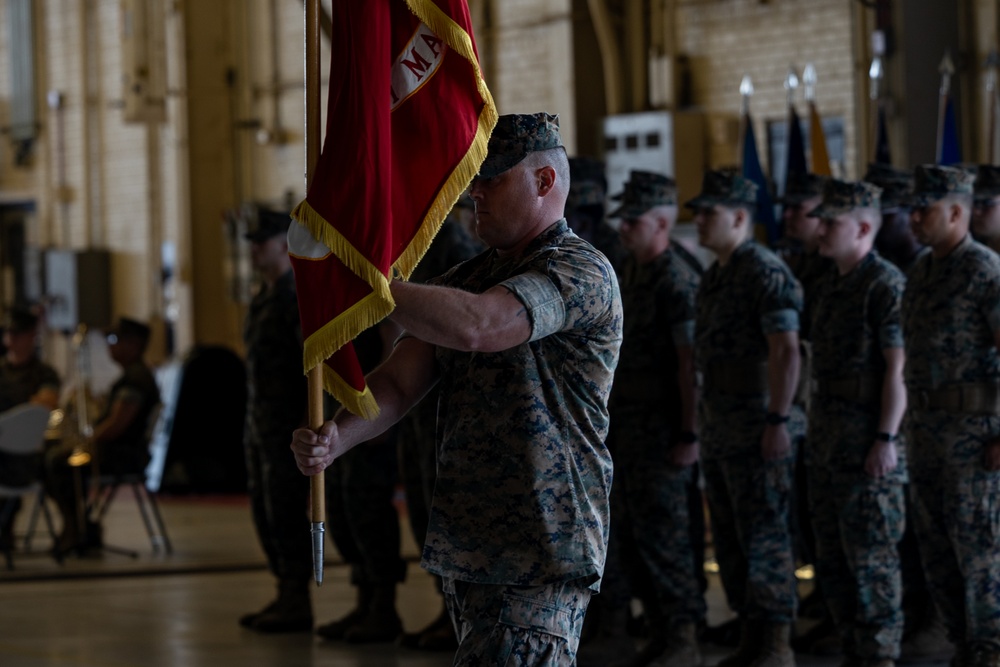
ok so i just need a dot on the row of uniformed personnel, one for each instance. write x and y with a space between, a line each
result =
891 356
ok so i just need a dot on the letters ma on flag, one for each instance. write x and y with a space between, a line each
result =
408 121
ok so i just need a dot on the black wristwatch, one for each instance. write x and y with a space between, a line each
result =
887 437
773 419
687 437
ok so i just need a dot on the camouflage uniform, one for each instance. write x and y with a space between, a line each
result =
417 461
738 306
951 316
585 209
895 239
858 520
521 499
649 502
276 400
807 267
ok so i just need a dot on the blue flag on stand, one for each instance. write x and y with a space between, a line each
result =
753 171
882 155
951 152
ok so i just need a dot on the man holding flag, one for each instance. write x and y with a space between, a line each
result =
522 342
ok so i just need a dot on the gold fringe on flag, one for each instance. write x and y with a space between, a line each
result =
329 338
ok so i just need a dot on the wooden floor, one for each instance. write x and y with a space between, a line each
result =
180 610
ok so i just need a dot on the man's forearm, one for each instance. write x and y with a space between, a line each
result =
447 317
688 385
783 362
893 400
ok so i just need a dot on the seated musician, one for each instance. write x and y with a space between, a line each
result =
24 378
119 441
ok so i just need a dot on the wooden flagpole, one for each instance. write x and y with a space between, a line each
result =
317 486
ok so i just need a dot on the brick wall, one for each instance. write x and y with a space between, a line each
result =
726 40
531 60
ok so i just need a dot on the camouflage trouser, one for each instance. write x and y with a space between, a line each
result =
279 501
651 525
519 626
363 521
956 513
858 521
748 500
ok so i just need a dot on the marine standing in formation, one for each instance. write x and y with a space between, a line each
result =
747 349
951 328
276 404
856 471
653 436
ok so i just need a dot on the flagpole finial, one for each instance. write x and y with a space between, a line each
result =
746 92
946 68
875 75
791 84
809 79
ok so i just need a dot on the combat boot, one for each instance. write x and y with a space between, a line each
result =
928 643
291 612
682 648
337 629
749 647
775 649
381 623
610 643
438 636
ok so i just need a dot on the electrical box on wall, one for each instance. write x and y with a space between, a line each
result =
78 288
671 143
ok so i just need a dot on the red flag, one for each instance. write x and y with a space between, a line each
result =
408 121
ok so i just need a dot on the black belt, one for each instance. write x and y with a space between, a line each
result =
739 378
860 388
976 398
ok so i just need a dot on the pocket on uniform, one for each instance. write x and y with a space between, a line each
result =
536 616
985 496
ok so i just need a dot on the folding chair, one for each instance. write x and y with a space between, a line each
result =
105 488
22 433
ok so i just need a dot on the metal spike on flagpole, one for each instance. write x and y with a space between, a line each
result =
791 84
317 483
946 69
876 72
746 92
809 81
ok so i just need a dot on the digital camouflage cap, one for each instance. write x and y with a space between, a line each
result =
644 190
725 188
896 184
516 135
932 182
841 197
587 182
987 182
801 187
